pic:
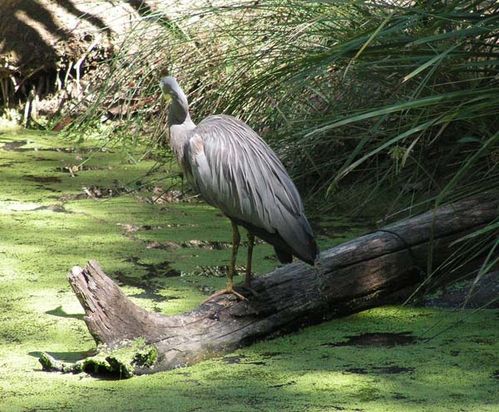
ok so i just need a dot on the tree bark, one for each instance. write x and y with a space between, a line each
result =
382 267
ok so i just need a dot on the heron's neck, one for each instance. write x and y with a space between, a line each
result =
180 124
179 109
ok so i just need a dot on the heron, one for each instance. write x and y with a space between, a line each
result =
232 168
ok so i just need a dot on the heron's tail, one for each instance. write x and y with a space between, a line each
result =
283 255
300 239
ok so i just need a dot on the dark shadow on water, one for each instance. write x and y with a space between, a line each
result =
161 269
54 208
389 370
384 339
380 370
14 146
271 354
237 359
43 179
151 281
189 244
48 189
59 311
233 359
150 295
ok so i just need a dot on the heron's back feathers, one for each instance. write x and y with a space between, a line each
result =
235 170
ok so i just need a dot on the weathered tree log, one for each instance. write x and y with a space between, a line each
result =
381 267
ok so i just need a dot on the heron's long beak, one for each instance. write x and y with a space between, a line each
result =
164 92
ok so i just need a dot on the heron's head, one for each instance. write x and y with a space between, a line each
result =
170 88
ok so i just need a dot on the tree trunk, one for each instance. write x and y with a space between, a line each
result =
382 267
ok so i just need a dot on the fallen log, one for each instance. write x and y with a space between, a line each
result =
381 267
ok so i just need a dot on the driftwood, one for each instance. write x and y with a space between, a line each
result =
381 267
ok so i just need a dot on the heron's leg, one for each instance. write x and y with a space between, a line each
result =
236 240
251 243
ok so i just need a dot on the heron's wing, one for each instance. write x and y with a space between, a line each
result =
235 170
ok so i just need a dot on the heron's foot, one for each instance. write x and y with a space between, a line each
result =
226 291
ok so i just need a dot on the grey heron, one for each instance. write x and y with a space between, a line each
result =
234 170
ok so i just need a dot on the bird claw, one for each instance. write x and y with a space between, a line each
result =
226 291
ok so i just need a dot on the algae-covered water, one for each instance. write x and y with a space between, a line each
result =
61 205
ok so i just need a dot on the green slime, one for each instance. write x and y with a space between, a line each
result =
48 225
